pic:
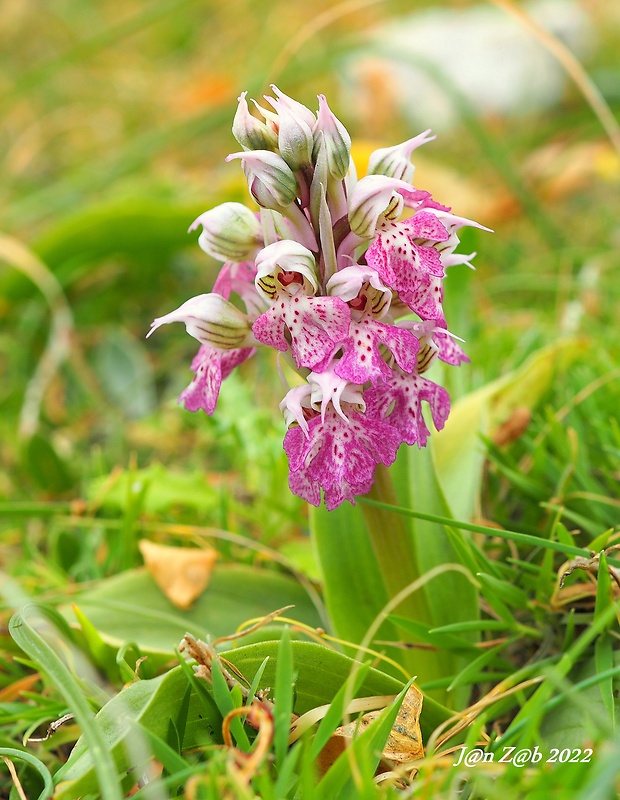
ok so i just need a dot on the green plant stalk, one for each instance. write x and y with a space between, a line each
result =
48 783
33 509
371 553
393 547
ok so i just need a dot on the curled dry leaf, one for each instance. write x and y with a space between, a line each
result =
180 572
514 427
583 591
404 743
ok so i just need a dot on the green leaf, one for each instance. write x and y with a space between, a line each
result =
457 450
150 704
421 632
581 714
603 647
353 587
99 651
532 711
475 667
226 701
450 595
368 747
130 607
471 625
321 672
258 677
127 658
45 466
207 708
333 717
125 373
169 757
283 699
138 227
301 553
504 590
164 489
48 784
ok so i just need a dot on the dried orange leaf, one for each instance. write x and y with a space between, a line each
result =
180 572
404 743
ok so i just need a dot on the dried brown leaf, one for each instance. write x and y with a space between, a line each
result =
404 743
180 572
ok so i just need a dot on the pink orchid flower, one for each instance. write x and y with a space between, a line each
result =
345 277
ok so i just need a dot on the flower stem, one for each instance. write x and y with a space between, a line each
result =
393 546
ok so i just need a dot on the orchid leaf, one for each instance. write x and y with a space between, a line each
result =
321 672
450 595
130 607
148 704
458 450
151 704
353 587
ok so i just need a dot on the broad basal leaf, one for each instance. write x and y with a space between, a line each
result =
131 607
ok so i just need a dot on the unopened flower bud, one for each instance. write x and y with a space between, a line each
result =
394 161
270 179
294 138
212 320
336 140
293 123
299 110
230 232
250 132
279 263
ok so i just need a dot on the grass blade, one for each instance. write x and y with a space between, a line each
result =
48 783
283 696
32 643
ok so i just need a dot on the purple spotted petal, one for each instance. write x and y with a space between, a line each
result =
427 299
362 359
403 263
239 278
234 277
338 456
316 326
449 350
399 402
211 367
301 484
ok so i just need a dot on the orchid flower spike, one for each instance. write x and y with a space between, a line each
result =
344 278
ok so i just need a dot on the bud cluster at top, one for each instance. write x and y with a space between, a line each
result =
342 276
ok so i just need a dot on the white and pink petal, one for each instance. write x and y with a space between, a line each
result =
399 402
362 359
211 367
403 264
315 325
339 456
